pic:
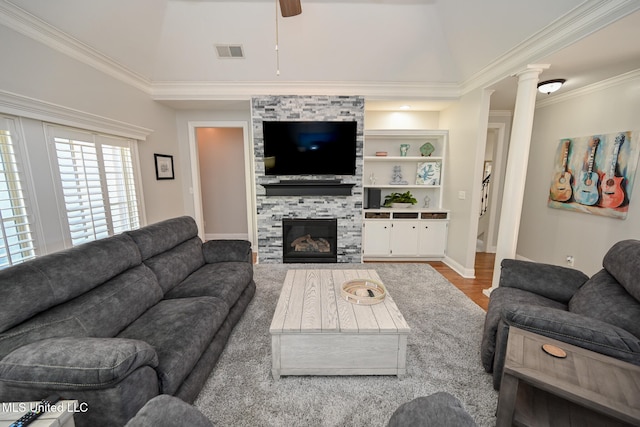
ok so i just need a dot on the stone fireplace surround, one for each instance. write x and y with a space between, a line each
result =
271 210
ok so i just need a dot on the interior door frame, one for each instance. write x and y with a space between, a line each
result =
248 169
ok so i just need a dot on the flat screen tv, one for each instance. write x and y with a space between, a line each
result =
309 147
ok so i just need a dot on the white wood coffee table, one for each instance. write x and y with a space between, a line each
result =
315 331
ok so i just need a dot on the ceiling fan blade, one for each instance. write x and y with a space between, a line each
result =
290 8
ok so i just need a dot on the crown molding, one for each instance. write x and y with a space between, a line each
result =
164 91
585 19
29 25
23 106
587 90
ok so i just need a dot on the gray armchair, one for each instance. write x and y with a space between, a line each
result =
601 313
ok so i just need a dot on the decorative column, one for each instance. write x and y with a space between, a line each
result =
516 173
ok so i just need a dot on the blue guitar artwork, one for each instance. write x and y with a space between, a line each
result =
586 192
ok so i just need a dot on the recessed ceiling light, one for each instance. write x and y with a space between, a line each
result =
550 86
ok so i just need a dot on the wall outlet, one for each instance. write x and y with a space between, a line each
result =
570 260
462 195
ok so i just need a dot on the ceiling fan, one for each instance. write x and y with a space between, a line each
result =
290 8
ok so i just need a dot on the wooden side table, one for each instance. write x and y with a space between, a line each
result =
60 415
582 389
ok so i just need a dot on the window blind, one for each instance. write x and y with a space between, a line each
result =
98 184
17 242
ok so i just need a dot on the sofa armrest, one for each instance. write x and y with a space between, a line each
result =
575 329
551 281
69 363
227 250
168 411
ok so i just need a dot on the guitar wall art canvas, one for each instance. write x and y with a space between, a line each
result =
595 174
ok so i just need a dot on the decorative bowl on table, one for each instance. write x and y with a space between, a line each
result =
363 291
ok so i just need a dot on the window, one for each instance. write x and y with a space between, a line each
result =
17 242
98 183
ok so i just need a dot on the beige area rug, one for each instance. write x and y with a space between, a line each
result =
443 354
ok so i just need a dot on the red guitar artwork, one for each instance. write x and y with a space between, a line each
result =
612 193
561 190
587 189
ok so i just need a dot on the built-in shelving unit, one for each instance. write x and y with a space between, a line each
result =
418 232
379 170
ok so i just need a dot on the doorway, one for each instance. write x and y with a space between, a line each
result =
222 177
492 188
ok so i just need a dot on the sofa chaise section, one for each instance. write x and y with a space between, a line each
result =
118 321
60 313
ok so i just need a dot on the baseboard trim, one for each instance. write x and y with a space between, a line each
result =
467 273
226 236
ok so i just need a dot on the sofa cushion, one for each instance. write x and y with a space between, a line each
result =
621 261
225 280
179 330
500 298
173 266
67 363
55 278
101 312
603 298
157 238
575 329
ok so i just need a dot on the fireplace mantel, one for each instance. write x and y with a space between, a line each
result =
308 188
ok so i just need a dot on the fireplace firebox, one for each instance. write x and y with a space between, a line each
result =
309 240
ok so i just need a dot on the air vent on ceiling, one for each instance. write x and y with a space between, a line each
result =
229 51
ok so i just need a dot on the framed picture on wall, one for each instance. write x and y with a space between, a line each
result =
595 174
164 166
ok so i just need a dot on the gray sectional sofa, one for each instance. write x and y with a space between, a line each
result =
118 321
601 313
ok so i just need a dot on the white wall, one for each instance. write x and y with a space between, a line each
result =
401 120
467 123
33 70
549 235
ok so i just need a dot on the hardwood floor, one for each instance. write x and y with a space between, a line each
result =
471 287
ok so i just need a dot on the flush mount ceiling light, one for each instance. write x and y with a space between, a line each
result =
550 86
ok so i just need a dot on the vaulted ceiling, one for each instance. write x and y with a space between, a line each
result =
422 49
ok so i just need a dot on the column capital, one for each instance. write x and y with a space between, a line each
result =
532 70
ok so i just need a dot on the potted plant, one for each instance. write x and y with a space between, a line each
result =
400 200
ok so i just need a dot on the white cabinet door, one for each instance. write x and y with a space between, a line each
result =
433 238
404 238
376 238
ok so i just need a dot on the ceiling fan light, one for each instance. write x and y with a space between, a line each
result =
290 8
550 86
